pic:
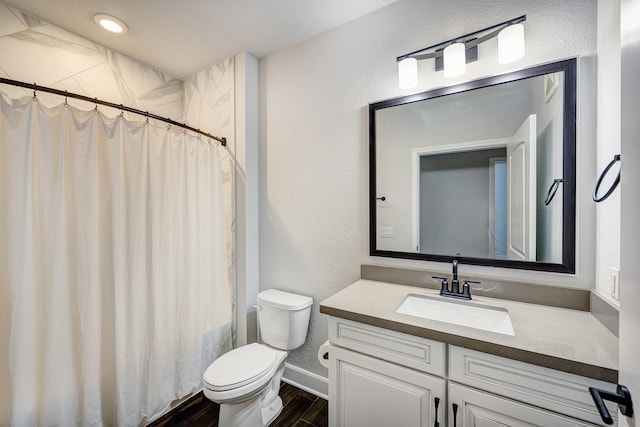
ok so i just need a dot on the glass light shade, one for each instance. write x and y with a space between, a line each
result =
408 73
454 60
511 43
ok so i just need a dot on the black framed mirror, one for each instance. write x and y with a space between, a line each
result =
483 171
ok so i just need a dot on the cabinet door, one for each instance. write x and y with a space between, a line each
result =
368 392
479 409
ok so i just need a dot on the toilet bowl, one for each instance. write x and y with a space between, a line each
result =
246 374
246 381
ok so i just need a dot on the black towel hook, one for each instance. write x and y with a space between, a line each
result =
552 191
606 195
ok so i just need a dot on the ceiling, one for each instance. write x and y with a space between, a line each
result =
185 36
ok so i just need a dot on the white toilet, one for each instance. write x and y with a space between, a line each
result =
246 380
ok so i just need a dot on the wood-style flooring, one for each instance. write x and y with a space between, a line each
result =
300 409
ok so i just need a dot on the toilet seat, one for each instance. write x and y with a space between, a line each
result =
239 367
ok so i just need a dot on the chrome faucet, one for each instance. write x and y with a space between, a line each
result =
455 285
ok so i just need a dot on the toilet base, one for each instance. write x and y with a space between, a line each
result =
271 412
249 413
246 413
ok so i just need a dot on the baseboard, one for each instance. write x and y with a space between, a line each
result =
307 381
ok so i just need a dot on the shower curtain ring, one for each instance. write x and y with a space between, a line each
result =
35 97
121 112
95 109
66 103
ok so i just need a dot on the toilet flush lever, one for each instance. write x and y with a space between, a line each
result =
622 397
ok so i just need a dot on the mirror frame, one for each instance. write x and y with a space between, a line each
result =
567 265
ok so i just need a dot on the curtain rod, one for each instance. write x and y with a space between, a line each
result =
35 87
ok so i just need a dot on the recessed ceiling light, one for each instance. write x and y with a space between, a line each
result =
110 23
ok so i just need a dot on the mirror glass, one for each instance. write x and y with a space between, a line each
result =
482 171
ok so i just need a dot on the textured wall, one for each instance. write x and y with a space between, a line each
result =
608 224
314 136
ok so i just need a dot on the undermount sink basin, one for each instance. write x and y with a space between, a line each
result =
492 319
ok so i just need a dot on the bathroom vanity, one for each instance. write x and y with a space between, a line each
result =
388 368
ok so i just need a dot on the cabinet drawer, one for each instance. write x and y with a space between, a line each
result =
406 350
476 408
547 388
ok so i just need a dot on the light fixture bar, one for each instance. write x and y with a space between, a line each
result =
462 39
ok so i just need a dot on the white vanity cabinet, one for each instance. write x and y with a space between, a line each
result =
379 377
382 378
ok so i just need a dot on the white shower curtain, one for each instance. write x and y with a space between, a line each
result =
113 275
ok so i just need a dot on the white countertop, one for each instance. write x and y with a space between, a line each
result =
568 340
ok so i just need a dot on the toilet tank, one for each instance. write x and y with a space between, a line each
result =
283 318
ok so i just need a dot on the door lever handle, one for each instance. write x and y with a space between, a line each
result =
622 397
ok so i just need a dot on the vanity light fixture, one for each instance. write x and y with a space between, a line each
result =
455 59
408 73
110 23
511 43
452 55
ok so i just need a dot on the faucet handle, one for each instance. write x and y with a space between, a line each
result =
466 289
444 285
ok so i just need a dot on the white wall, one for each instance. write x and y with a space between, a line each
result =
314 136
608 212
